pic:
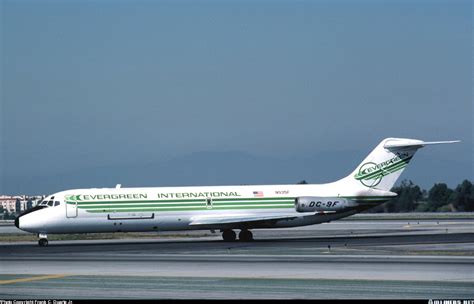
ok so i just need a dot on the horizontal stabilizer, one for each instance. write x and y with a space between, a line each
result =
402 143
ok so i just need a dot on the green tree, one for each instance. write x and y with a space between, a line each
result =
407 199
438 197
462 199
9 216
17 206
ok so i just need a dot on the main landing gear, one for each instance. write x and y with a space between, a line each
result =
245 236
43 240
229 235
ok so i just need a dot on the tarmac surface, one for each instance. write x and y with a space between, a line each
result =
369 259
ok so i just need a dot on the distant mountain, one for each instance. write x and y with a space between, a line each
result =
228 168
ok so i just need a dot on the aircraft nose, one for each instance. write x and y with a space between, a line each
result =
28 221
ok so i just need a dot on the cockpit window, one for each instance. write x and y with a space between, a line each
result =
49 202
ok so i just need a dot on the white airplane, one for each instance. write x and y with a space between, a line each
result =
223 208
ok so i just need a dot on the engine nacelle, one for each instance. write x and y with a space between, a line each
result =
313 204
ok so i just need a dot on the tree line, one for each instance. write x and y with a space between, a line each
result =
440 198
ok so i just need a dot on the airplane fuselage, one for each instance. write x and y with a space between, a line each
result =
176 208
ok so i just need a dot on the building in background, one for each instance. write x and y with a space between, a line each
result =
19 203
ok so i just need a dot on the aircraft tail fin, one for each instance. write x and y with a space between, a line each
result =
383 166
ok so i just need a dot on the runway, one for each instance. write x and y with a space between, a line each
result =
352 259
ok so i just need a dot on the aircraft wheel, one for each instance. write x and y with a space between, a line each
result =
229 235
43 242
245 236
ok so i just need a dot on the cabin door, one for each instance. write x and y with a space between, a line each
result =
71 209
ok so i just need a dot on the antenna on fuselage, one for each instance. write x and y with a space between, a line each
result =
118 186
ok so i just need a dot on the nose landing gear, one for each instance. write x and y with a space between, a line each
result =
43 240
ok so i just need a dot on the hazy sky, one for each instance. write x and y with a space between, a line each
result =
98 83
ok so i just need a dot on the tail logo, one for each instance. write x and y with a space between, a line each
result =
370 174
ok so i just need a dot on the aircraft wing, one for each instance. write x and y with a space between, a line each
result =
248 218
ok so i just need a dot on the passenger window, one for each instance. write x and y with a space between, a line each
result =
50 203
56 203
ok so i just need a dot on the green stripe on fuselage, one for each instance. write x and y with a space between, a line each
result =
187 200
123 205
109 210
200 204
